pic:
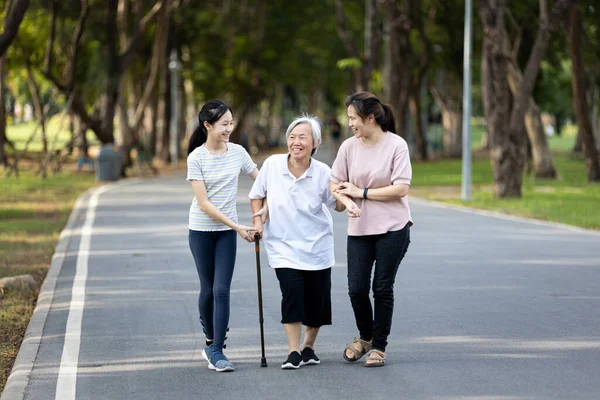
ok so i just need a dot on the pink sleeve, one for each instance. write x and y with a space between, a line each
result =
402 170
339 169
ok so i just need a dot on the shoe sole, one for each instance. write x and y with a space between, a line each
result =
310 362
226 369
290 366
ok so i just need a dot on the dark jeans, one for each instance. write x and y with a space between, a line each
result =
214 254
387 251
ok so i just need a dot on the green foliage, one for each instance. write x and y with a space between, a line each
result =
299 52
349 63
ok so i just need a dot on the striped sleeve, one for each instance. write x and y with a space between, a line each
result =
247 164
194 168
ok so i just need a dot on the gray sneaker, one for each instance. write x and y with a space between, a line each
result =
207 353
218 362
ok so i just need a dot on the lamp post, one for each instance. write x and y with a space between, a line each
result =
174 68
466 121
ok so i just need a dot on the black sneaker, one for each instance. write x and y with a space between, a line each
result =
309 357
293 361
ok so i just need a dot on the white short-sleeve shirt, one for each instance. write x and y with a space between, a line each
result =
220 175
299 231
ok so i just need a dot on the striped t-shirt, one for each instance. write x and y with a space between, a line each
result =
220 176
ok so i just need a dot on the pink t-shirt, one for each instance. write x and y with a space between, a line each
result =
384 164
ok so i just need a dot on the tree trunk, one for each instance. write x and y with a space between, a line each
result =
151 125
581 107
181 118
452 130
507 144
164 92
191 118
163 117
3 139
543 165
448 97
594 116
506 147
15 11
276 115
578 146
113 75
415 110
126 132
486 94
82 137
37 106
397 71
73 141
315 98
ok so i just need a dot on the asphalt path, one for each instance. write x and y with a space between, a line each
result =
486 307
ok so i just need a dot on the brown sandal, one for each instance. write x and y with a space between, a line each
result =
376 358
357 352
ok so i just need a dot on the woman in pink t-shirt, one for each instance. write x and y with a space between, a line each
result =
371 176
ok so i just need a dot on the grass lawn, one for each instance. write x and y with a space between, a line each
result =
32 214
58 135
570 199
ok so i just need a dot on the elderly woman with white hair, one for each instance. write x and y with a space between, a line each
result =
298 235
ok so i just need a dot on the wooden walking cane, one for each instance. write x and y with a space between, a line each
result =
263 360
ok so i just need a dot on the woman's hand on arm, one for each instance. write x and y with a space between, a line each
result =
263 213
257 216
386 193
346 202
207 207
348 189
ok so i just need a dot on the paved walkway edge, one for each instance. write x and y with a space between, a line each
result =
19 377
500 215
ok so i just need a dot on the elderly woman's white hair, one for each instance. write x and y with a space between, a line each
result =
315 128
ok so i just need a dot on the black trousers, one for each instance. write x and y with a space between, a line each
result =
386 251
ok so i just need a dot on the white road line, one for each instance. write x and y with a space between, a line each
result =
67 374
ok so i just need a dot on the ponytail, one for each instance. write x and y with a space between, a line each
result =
198 138
390 119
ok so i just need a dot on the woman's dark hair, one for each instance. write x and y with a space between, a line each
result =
366 103
210 112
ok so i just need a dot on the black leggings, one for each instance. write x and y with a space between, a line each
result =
387 251
214 254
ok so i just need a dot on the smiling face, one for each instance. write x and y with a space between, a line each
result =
300 142
220 131
356 123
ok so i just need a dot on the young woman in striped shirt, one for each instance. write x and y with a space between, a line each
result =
214 165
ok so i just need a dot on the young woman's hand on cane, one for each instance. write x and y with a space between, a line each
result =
246 232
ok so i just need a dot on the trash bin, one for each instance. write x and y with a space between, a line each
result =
105 164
